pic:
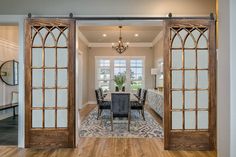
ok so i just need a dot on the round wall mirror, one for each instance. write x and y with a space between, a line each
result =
9 72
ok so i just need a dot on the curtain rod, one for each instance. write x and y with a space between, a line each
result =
211 17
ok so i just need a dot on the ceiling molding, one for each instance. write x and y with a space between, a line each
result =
158 37
144 44
8 44
83 38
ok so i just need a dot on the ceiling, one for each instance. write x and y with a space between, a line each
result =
94 34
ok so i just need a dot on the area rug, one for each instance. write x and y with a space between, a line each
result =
91 127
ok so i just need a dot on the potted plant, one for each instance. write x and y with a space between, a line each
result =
119 80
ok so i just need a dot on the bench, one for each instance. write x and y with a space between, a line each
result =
8 106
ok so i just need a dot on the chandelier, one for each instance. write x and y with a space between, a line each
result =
120 47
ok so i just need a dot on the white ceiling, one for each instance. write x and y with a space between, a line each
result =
146 34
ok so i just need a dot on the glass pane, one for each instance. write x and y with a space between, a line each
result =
189 43
50 57
203 79
202 59
196 34
105 85
177 59
50 41
176 79
62 78
136 63
37 40
62 41
104 62
177 42
37 57
55 32
43 32
183 33
190 59
62 57
103 73
202 99
62 97
177 100
37 120
190 79
50 97
49 77
49 118
177 120
37 78
118 71
37 98
190 120
190 99
120 62
202 43
202 119
136 84
62 118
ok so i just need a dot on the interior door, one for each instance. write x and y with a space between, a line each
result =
190 85
50 83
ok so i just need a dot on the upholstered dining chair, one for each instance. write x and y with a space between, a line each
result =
102 93
139 104
138 94
102 105
120 107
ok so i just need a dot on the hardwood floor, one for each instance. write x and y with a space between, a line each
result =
107 147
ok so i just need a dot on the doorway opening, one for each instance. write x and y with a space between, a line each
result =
102 64
9 84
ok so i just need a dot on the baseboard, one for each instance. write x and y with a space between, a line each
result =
85 104
91 102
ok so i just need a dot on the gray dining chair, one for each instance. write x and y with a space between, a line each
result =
120 107
139 104
102 105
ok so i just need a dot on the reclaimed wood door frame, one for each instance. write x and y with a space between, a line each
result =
184 139
57 136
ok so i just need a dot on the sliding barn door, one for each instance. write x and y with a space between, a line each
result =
190 85
50 83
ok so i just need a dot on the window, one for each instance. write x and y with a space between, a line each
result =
107 68
104 75
136 74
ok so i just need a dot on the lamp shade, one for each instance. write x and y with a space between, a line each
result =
153 71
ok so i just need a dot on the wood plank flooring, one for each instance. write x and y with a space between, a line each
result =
107 147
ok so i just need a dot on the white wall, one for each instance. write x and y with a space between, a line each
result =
107 7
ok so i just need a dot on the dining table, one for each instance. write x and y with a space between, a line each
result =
108 96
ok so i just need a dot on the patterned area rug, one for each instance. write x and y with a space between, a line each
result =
91 127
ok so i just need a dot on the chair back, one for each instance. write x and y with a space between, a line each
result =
139 90
101 91
143 96
98 96
120 104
